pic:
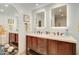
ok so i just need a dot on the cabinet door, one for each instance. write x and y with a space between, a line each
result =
65 48
42 46
12 37
73 48
16 38
52 47
29 42
34 43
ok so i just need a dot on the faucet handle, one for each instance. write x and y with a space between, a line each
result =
61 34
58 33
38 31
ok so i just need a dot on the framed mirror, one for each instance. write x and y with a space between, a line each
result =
40 19
59 16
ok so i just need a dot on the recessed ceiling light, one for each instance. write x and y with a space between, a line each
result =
6 5
1 10
37 4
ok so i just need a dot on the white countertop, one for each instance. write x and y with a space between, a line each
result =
59 38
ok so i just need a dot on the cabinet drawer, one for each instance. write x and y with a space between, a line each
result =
29 42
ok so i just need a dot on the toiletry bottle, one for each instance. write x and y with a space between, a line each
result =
66 33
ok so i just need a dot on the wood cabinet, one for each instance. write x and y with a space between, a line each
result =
34 43
44 46
61 48
31 44
52 47
16 37
65 48
13 38
28 42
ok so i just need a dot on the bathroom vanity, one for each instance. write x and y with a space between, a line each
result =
37 44
13 38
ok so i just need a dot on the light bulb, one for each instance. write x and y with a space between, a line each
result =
37 4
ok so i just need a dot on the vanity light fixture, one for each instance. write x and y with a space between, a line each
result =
6 5
1 10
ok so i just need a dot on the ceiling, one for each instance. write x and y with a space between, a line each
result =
30 6
11 9
7 9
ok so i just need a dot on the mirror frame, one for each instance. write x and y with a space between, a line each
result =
39 11
53 7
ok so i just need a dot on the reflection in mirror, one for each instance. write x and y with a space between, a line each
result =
59 17
27 23
40 19
39 23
